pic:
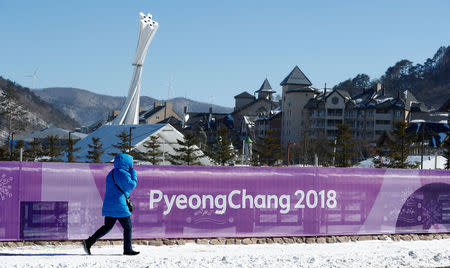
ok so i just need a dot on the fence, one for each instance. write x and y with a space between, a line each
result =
58 201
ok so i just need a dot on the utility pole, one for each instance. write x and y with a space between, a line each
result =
11 146
421 144
70 150
129 140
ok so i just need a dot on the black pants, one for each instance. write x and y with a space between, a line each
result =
109 224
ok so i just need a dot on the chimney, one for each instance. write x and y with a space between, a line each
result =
169 105
165 110
210 110
185 110
325 90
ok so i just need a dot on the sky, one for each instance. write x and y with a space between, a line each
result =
210 51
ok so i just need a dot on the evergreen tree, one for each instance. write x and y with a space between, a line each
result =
13 112
447 151
222 151
267 150
323 149
187 153
344 147
399 149
4 155
52 148
153 155
70 150
95 150
34 150
123 145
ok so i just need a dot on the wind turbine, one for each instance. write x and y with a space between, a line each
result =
33 77
169 87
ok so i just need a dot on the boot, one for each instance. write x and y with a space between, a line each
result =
87 246
131 252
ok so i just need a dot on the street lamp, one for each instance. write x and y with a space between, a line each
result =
287 152
129 139
70 150
11 145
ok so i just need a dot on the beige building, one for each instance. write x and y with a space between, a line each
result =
248 107
368 114
296 92
159 112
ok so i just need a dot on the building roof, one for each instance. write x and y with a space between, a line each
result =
52 131
147 114
343 93
205 121
265 87
245 95
314 102
272 103
418 107
435 133
273 113
296 77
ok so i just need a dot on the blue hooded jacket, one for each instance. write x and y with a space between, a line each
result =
115 204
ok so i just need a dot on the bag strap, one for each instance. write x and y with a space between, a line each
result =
112 174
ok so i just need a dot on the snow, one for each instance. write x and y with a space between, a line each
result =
428 162
375 253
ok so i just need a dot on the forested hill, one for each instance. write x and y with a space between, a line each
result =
429 81
29 111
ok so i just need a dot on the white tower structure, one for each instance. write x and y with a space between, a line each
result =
129 115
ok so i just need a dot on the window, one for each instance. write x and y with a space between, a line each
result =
334 112
333 122
383 122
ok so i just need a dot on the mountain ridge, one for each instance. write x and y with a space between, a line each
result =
33 112
88 107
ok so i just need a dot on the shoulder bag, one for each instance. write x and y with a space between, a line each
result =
129 202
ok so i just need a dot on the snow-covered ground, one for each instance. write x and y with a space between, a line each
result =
429 162
376 253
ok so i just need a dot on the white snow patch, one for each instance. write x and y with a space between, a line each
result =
428 162
374 253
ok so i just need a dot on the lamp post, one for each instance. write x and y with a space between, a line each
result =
11 145
129 139
70 149
287 152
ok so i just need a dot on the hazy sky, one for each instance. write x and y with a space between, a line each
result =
214 50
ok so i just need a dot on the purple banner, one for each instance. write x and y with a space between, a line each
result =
57 201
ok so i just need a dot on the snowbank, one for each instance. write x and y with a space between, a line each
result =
428 162
373 253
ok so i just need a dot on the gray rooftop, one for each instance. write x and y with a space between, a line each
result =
52 131
296 77
265 87
245 95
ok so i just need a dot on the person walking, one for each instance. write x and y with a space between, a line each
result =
115 207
